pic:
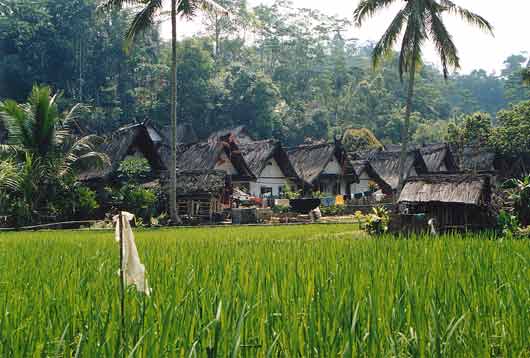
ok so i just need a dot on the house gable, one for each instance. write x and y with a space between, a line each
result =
333 167
225 164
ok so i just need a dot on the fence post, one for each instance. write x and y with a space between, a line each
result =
123 342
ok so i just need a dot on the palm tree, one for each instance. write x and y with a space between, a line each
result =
422 21
37 129
144 20
40 150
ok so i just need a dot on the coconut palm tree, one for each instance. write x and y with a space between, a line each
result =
37 129
144 20
422 21
41 153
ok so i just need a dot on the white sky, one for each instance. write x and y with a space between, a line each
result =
477 49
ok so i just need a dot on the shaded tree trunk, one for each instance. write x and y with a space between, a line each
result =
175 219
405 128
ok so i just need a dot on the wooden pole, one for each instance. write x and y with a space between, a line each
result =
122 289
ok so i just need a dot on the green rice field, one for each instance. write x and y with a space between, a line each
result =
292 291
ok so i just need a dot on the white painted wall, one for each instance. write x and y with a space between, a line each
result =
225 164
363 185
272 177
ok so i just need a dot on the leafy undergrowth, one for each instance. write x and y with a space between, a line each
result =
312 290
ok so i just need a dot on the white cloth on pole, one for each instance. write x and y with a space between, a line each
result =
133 269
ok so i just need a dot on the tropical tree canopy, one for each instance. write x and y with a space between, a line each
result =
421 20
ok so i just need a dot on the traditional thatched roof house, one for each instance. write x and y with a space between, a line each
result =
132 140
238 135
202 193
211 156
323 167
477 159
386 165
474 159
516 166
368 180
162 135
456 201
438 158
270 164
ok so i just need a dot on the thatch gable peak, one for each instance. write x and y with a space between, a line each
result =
310 160
258 154
448 188
123 142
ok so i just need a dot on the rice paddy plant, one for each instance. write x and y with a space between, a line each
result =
311 291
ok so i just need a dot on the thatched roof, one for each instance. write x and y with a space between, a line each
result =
239 135
206 156
121 143
309 161
438 156
361 166
196 182
474 159
448 188
162 134
483 160
386 164
258 154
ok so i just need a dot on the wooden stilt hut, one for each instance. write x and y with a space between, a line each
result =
455 201
201 194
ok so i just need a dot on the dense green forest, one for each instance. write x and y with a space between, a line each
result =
284 72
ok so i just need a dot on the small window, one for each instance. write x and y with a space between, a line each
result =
266 191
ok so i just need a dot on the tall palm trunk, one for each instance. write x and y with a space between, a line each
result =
173 163
405 128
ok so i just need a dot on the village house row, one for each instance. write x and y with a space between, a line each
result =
216 171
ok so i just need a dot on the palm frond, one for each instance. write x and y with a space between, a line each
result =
410 55
212 6
468 16
13 117
108 5
8 173
44 115
385 45
83 153
443 43
367 8
142 21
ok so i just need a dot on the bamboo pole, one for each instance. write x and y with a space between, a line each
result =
122 289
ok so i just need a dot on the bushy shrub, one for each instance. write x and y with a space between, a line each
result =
280 209
333 210
137 200
519 194
289 193
134 169
377 221
510 227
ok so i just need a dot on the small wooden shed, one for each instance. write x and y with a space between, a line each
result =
455 201
202 194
